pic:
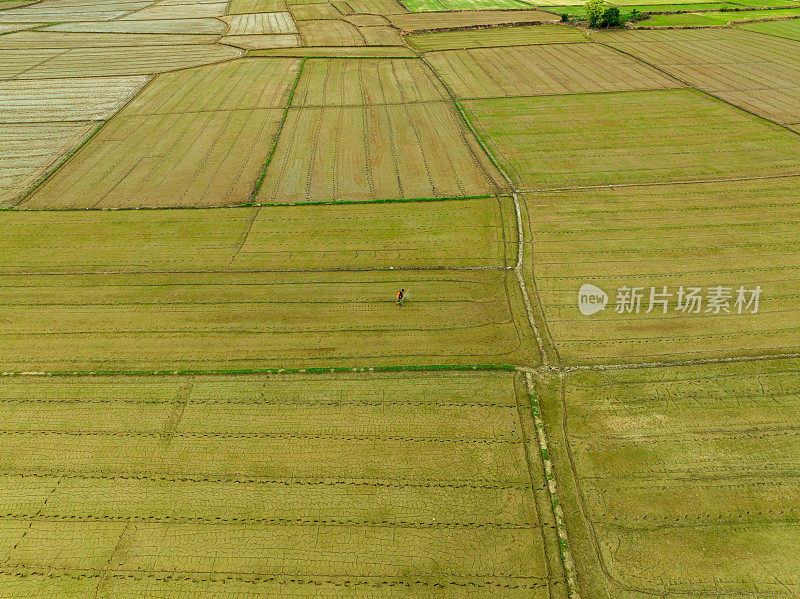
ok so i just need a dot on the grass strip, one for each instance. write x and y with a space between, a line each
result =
245 371
274 146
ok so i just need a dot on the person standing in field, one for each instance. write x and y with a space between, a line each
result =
400 295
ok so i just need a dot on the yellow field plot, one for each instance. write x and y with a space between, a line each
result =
105 62
469 18
453 234
341 82
756 72
437 473
171 26
370 7
29 150
314 12
732 235
64 40
680 480
496 37
243 7
340 52
631 137
329 33
414 151
178 11
381 36
10 27
16 62
197 137
259 42
56 11
367 20
65 99
544 70
260 24
225 320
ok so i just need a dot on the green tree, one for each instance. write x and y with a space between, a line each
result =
612 17
594 11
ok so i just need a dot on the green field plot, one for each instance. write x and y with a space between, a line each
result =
194 137
717 18
451 20
329 33
175 26
343 82
437 474
629 137
453 234
544 70
450 5
789 28
758 73
680 481
496 37
735 234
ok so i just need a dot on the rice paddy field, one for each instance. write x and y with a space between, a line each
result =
208 388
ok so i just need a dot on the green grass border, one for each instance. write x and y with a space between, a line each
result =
274 146
245 371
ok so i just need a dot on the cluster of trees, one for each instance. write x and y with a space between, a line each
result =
600 15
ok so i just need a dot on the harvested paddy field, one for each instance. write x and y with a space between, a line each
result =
370 7
756 72
181 142
495 37
455 20
731 235
549 69
183 470
224 320
679 478
213 308
417 151
322 153
454 5
631 137
171 26
110 62
209 389
330 33
260 24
